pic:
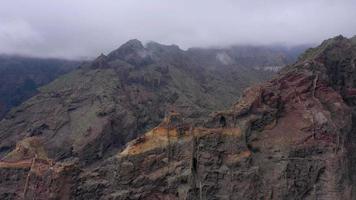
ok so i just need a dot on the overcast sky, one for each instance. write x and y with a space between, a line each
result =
85 28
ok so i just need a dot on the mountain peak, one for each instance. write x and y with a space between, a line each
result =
100 62
132 44
338 42
332 62
132 52
290 125
129 47
288 138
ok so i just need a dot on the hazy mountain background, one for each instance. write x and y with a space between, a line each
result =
20 77
215 99
127 92
80 29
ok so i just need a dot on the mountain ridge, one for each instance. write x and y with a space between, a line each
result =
60 136
289 138
122 91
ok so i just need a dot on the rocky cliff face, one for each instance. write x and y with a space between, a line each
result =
98 108
289 138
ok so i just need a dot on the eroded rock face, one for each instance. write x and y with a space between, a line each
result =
95 110
289 138
28 173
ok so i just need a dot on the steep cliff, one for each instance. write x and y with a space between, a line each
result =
93 111
290 138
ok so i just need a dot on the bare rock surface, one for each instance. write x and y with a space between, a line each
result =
289 138
292 137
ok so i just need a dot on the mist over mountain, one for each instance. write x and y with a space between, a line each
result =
135 124
81 29
131 89
21 76
177 100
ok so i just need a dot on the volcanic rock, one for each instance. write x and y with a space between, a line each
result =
290 138
97 132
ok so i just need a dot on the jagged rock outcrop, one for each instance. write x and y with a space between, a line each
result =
28 173
132 52
290 138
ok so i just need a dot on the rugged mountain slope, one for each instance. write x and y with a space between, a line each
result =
290 138
107 102
51 143
21 76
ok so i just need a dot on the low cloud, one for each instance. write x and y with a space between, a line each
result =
85 28
18 34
